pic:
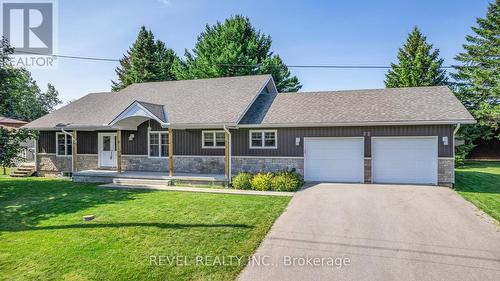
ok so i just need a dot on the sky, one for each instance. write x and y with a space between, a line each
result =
338 32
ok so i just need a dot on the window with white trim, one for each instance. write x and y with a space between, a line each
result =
158 144
64 144
263 139
213 139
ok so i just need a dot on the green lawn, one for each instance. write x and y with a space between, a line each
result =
479 183
43 236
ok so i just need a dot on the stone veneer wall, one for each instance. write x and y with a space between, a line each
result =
199 164
368 170
182 164
446 171
143 163
212 164
87 162
267 164
50 165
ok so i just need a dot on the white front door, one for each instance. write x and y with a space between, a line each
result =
107 150
334 159
405 160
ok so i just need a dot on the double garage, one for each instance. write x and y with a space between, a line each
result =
412 160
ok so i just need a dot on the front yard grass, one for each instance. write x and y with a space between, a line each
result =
43 235
479 183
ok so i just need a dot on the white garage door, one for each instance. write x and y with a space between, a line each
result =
334 159
405 160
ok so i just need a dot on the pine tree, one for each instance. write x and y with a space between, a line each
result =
478 77
235 48
418 64
145 61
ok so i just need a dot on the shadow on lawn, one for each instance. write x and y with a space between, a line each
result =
479 182
135 224
25 202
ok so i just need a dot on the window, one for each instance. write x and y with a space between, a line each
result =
158 144
263 139
213 139
64 145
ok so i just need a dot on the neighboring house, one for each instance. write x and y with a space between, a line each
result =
29 145
233 124
9 123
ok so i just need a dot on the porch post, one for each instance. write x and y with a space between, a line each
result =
74 152
119 151
226 151
170 152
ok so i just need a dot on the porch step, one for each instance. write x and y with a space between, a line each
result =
22 171
142 182
25 169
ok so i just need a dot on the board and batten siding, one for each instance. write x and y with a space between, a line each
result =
288 148
186 142
87 142
189 142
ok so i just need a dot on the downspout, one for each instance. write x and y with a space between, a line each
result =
72 147
230 153
454 133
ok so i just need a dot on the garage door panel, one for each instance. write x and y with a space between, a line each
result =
405 160
334 159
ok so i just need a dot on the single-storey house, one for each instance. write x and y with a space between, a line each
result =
233 124
10 124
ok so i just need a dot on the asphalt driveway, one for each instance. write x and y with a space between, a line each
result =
378 232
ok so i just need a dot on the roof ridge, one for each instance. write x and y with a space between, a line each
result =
362 90
198 79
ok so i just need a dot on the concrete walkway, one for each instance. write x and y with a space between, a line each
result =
200 189
378 232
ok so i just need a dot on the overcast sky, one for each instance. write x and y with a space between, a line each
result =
303 32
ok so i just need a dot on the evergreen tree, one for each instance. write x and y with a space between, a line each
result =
478 77
235 48
418 64
145 61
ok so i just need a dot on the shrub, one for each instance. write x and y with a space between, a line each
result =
242 181
287 181
461 152
262 181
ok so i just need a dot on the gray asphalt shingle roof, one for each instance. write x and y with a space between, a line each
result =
359 107
202 101
224 100
156 109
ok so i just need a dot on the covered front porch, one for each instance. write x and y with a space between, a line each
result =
113 176
140 144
